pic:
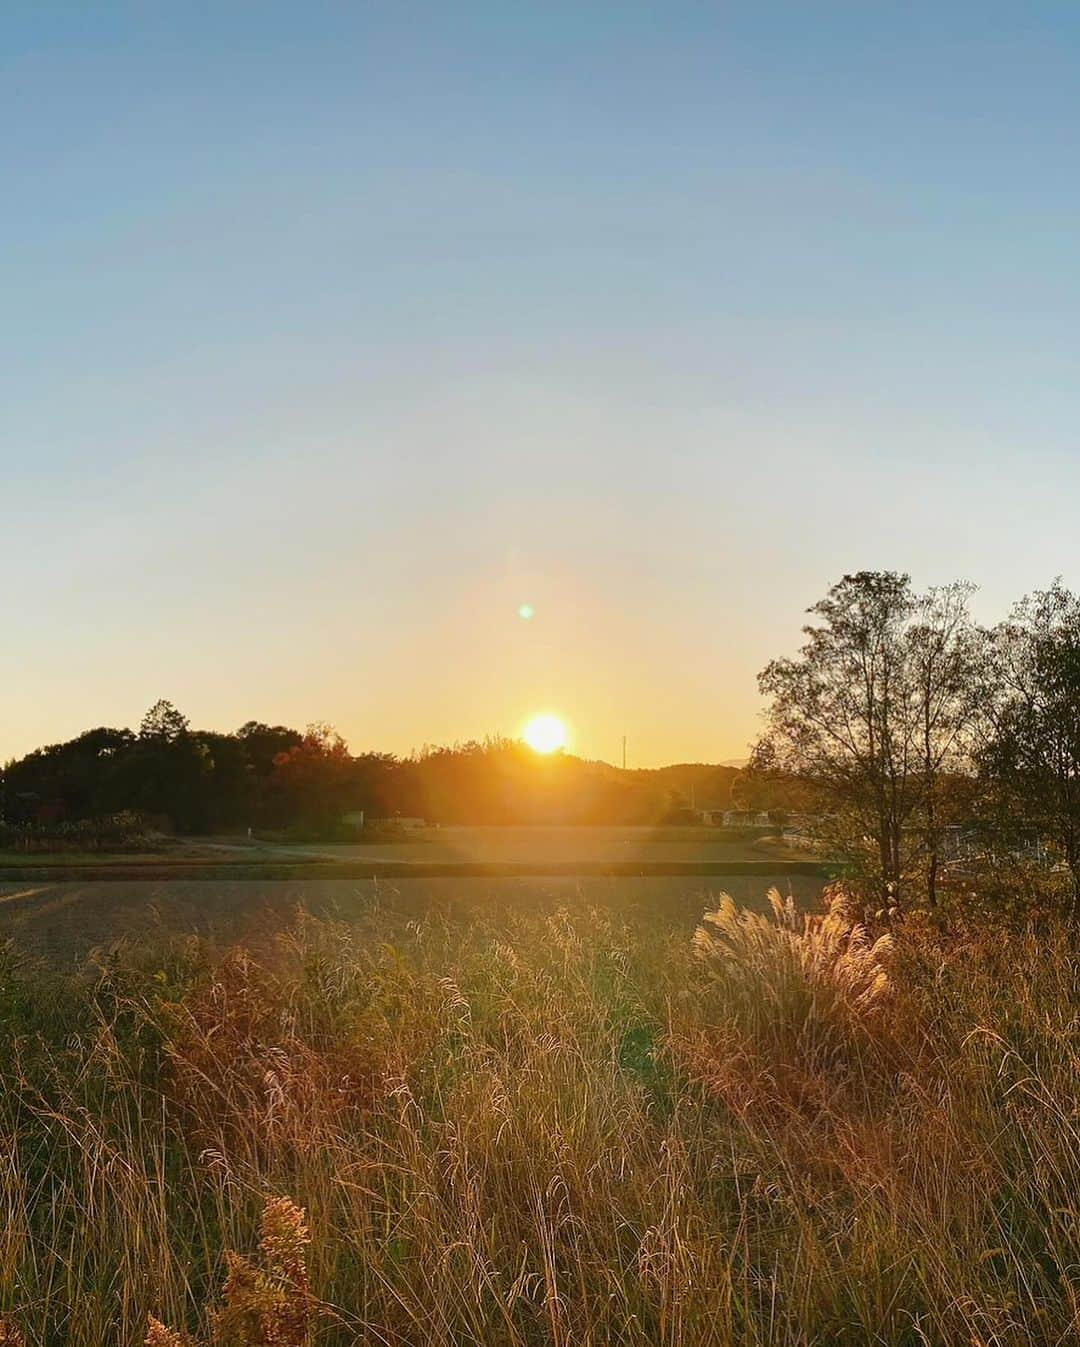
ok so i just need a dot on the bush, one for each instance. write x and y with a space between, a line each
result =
797 975
1012 892
122 832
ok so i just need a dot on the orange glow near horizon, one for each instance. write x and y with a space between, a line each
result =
545 734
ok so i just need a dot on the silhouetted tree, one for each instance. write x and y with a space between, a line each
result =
947 675
1033 753
262 744
164 723
166 772
65 781
315 782
840 715
877 718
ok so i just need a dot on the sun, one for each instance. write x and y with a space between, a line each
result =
545 734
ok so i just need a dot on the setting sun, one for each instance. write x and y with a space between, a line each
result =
545 734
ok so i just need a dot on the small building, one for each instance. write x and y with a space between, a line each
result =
743 818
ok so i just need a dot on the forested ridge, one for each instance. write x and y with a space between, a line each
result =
277 777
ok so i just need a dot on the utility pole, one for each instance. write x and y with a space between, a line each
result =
624 752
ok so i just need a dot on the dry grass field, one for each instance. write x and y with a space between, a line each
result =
551 1116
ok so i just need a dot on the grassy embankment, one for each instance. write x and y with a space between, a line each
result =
553 1127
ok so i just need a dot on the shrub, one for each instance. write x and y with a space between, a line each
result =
125 831
796 974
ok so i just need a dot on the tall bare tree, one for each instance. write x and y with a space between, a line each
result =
875 714
840 714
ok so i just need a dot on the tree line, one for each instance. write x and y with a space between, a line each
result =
275 778
902 719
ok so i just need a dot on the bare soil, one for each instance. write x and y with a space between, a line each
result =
62 922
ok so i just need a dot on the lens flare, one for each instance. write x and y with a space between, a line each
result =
545 734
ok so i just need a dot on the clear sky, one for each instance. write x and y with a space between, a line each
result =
332 333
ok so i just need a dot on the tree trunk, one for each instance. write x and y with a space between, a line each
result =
932 848
1072 857
894 857
884 852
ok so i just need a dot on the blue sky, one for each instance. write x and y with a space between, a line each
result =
335 332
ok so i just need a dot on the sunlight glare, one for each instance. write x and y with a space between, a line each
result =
545 734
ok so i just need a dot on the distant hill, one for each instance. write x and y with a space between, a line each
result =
707 785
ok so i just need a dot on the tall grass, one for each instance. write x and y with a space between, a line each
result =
555 1127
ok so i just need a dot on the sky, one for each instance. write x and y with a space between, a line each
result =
334 333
